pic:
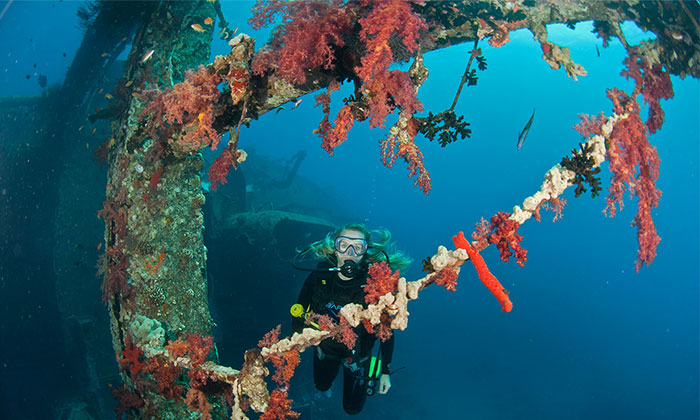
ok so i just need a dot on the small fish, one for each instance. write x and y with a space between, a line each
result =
197 27
99 246
64 54
211 1
279 109
526 129
34 65
597 50
42 80
27 76
147 56
129 83
674 34
208 21
94 130
109 96
296 104
105 54
80 128
101 90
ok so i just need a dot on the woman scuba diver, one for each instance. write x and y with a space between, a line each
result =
338 280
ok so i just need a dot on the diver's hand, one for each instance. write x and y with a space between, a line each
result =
384 383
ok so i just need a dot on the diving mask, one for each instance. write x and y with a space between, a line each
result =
351 246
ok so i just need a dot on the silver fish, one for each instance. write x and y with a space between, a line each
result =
526 129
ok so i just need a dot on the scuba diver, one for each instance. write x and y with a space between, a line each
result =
338 280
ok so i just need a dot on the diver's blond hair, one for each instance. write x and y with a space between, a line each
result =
378 240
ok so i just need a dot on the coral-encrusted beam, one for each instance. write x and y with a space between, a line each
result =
489 280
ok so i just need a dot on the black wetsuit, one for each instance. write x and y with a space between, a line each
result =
324 293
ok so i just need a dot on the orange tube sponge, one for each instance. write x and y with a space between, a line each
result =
489 280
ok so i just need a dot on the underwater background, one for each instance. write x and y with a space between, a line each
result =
588 337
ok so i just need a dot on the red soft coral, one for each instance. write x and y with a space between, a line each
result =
284 366
481 233
167 376
199 347
384 330
381 281
197 401
333 135
131 357
116 277
393 146
412 155
386 18
219 169
447 277
177 348
271 337
505 236
555 204
389 89
279 408
590 126
127 400
346 335
195 346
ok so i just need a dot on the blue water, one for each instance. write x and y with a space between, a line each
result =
588 338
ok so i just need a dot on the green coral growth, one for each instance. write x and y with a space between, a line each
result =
581 163
446 126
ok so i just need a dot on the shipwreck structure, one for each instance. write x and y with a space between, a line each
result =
170 103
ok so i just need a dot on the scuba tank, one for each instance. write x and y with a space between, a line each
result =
373 374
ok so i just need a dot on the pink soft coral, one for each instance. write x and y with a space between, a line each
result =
222 165
184 114
652 82
388 89
313 31
628 149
